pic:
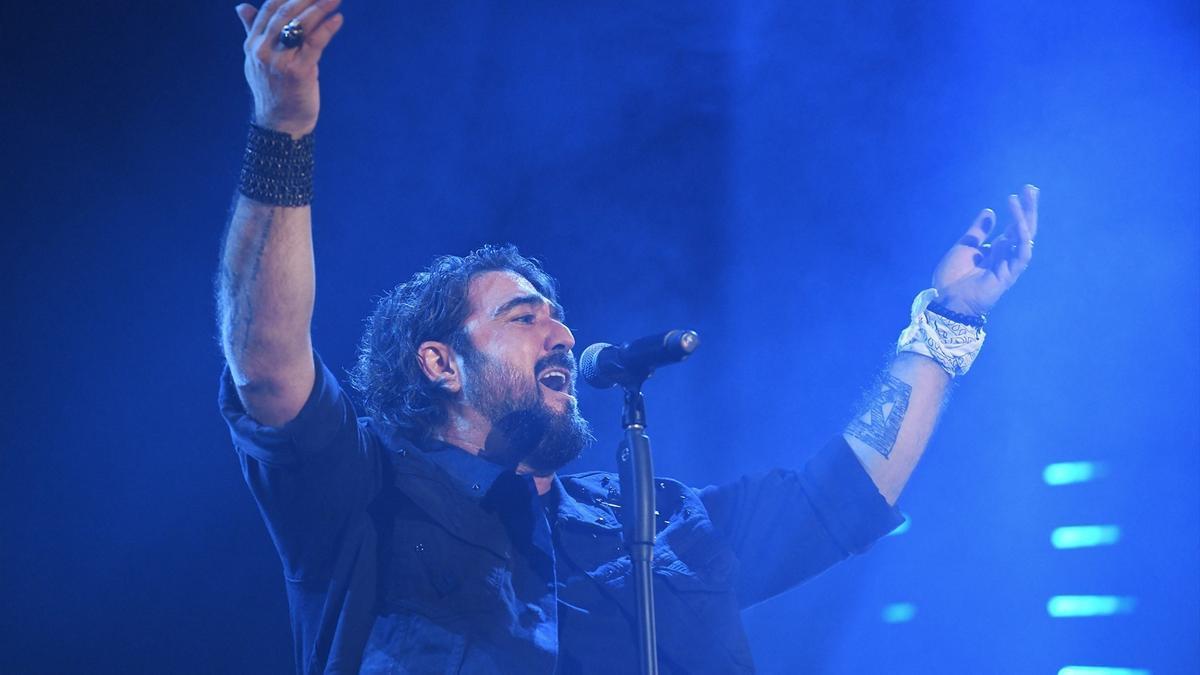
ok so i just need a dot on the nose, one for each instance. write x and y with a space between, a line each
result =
559 338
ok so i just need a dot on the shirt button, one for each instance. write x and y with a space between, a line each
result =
662 485
600 519
420 548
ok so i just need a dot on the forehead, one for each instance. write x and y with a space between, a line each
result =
490 290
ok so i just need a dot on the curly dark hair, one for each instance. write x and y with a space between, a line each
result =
432 305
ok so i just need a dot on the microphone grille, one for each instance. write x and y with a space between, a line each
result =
588 368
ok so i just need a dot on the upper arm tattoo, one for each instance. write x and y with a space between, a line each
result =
879 416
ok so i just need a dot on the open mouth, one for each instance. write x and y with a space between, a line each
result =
556 379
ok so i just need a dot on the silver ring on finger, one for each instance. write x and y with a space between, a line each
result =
292 35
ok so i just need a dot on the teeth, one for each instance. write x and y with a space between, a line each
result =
554 379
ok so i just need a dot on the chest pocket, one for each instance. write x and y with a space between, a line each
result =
440 555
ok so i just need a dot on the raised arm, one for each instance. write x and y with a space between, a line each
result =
265 283
898 413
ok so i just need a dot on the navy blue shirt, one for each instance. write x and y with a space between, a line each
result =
399 559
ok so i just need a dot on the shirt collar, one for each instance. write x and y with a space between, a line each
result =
472 473
599 515
475 476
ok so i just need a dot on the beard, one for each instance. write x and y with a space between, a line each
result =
525 430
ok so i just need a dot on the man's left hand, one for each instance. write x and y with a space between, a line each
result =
978 269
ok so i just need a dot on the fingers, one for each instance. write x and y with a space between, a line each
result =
1020 242
265 12
288 11
1019 245
312 17
246 13
1031 193
978 232
1018 214
263 25
322 34
319 30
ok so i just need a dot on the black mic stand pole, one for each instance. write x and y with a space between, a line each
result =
637 494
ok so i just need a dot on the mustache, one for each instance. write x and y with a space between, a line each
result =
564 360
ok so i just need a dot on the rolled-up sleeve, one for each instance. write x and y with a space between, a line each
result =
327 414
788 526
311 476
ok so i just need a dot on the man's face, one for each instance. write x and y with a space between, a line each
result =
521 374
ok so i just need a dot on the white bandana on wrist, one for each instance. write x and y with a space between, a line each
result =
952 345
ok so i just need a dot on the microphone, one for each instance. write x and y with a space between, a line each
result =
603 365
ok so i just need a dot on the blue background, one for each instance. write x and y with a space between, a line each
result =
781 177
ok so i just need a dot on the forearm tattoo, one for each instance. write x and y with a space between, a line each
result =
880 414
237 283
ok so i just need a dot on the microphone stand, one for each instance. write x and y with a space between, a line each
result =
629 365
637 494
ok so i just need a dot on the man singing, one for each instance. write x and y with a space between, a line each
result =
433 534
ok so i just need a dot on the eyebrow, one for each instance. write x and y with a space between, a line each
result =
533 300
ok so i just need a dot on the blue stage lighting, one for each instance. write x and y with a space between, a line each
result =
1088 605
903 527
1101 670
899 612
1065 473
1081 536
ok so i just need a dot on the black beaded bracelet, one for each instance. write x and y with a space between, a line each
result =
277 169
966 319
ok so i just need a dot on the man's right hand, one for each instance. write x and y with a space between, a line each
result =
284 80
266 283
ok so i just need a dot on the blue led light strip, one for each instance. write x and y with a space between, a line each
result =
1088 605
1082 536
899 612
1066 473
1101 670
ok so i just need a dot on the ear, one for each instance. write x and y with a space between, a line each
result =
437 362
